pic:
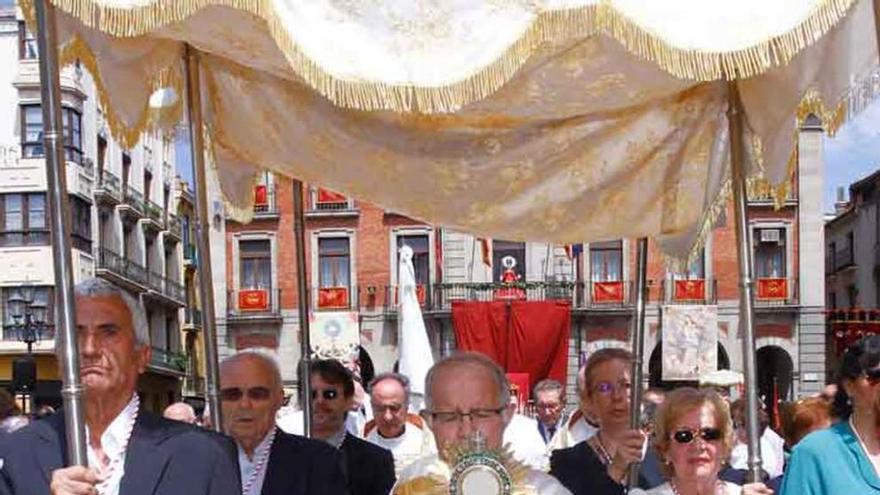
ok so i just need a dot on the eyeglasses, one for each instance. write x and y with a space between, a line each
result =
476 415
394 408
685 436
872 376
234 394
608 388
326 394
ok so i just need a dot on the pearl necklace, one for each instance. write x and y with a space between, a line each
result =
131 410
719 488
606 458
262 460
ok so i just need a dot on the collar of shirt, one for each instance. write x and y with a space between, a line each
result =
247 465
337 438
114 442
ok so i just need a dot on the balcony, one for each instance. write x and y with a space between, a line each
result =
445 294
192 319
81 179
173 230
193 386
168 361
775 292
132 206
254 305
121 270
326 203
107 191
265 205
693 291
155 217
190 257
165 290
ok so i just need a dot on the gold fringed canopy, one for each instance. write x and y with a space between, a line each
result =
549 120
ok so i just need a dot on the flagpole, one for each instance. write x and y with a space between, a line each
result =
299 232
638 346
59 216
744 256
203 226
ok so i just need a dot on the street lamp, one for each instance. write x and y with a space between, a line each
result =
29 323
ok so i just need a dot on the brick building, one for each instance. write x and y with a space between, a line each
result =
351 253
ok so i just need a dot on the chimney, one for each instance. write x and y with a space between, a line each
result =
841 203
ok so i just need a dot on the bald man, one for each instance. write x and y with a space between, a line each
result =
181 411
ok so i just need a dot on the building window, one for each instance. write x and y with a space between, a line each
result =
334 262
255 262
37 295
421 256
696 270
23 220
102 156
27 43
148 185
32 132
832 300
126 170
503 249
770 253
81 224
606 261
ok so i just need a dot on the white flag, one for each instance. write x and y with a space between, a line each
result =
415 350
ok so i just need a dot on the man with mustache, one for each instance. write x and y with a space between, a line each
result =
130 452
271 462
369 468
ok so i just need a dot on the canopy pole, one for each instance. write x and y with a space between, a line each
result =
638 346
203 235
746 298
877 22
299 232
59 216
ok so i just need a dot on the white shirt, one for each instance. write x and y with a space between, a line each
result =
292 422
526 443
406 448
575 431
772 454
248 466
114 443
666 489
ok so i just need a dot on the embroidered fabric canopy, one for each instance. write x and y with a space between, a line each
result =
548 120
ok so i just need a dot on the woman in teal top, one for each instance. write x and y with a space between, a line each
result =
844 459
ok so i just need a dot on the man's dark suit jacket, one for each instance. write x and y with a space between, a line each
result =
300 466
164 457
369 468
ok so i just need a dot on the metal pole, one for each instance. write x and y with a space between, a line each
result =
746 294
302 286
59 216
638 346
877 22
203 226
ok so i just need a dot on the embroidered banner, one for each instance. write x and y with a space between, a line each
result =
690 341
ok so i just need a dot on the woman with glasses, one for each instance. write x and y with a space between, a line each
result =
599 465
693 435
844 459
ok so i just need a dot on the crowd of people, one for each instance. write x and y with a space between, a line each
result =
366 440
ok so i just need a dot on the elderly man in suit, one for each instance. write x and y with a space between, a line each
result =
272 462
130 451
369 468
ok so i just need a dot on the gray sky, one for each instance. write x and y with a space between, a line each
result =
853 153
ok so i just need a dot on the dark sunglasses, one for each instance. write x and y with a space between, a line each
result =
233 394
327 394
873 376
684 436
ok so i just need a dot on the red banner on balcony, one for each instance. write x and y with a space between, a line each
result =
690 290
772 288
607 292
261 195
333 297
253 300
327 196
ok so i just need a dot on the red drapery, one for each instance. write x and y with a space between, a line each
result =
521 336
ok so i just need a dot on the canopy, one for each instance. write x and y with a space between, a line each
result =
548 120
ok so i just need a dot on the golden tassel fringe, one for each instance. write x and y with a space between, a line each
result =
549 26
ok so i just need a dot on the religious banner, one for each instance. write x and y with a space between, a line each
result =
690 290
690 341
334 335
772 288
608 292
253 300
326 196
261 195
333 297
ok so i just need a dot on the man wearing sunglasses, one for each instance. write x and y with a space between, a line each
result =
271 462
369 469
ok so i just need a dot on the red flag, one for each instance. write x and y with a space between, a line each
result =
486 245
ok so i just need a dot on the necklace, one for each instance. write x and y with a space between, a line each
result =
603 452
106 485
262 457
874 462
719 488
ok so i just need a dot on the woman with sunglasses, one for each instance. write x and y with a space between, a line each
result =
599 465
846 457
694 435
